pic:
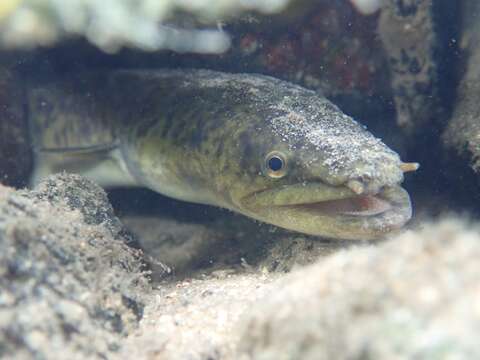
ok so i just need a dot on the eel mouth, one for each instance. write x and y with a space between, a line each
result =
360 205
336 212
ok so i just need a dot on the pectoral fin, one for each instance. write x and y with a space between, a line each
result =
104 165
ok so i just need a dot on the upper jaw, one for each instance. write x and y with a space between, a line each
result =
388 200
296 194
322 198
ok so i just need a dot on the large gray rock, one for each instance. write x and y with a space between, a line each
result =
416 296
70 286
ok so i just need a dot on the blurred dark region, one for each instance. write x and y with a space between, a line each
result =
444 183
140 201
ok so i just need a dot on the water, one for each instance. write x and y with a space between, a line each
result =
409 72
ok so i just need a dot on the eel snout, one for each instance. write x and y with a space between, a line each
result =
360 187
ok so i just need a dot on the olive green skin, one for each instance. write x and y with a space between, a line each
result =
203 136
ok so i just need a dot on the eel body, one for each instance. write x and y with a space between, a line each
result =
259 146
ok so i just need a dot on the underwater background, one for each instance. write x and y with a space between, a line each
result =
131 272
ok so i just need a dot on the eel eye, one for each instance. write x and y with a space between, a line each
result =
275 164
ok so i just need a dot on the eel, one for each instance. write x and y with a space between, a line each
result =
259 146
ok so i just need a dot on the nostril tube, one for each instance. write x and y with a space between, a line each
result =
407 167
356 186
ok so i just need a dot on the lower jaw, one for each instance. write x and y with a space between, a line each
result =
389 221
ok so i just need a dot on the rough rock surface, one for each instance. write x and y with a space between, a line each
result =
112 24
406 28
196 319
70 287
229 243
181 247
415 296
463 131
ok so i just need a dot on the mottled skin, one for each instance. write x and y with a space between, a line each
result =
203 136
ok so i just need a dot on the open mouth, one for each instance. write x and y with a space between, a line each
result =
335 212
319 198
329 211
360 205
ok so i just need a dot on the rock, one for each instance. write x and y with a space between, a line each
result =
415 296
231 243
196 319
322 45
182 247
410 39
463 131
285 252
70 286
80 194
164 24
